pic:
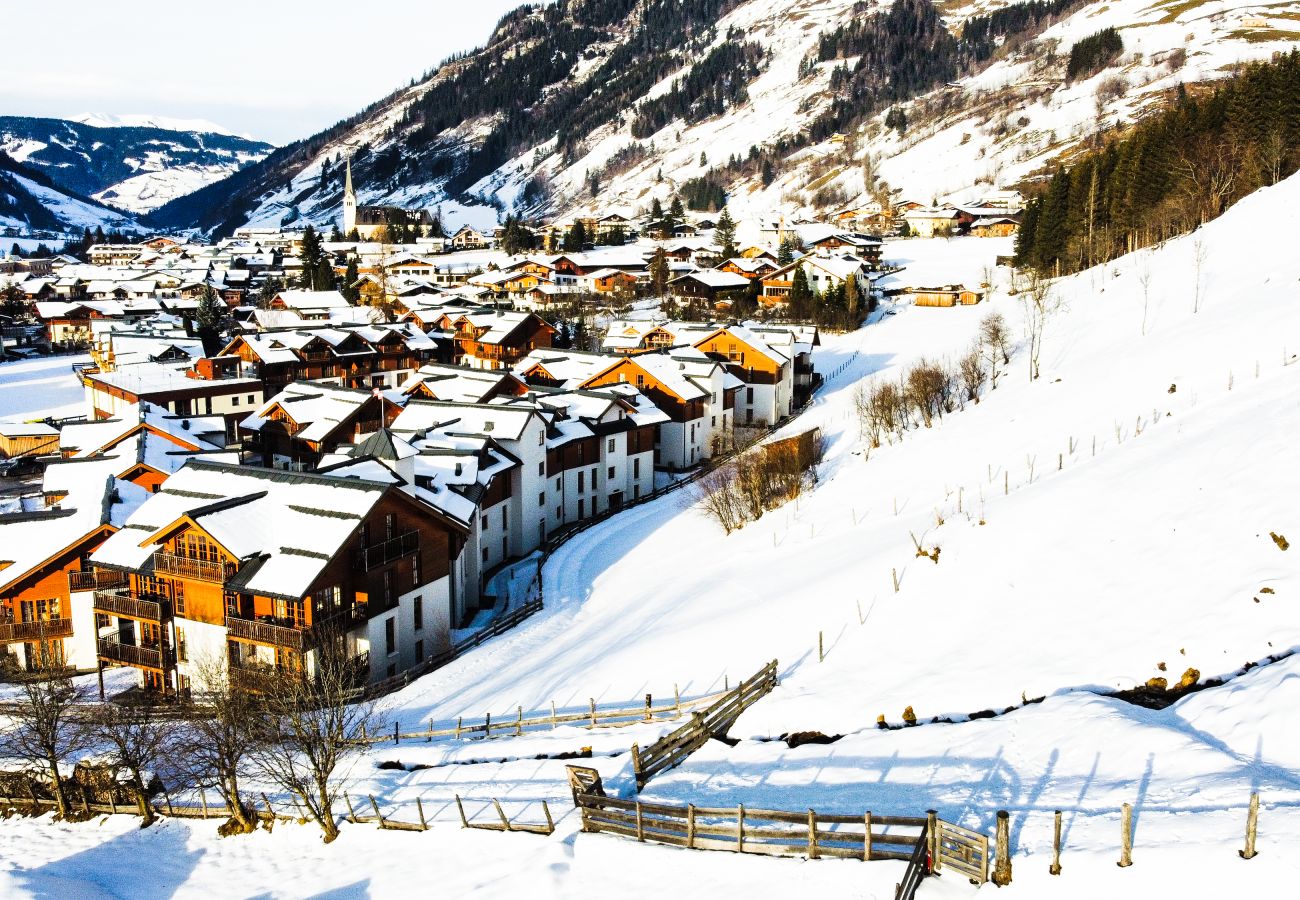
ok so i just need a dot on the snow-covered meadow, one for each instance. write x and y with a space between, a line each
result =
1067 568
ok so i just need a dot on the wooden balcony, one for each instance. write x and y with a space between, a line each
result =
283 633
183 567
13 632
384 553
130 605
95 579
266 632
160 658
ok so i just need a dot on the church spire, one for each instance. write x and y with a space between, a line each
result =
349 202
347 180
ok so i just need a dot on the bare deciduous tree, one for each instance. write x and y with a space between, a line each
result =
216 749
970 371
1039 303
1144 279
314 720
43 729
137 740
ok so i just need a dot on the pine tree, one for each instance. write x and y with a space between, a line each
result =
576 237
656 210
659 272
801 295
676 212
350 289
310 255
725 235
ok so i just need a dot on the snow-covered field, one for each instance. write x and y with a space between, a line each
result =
1109 517
45 386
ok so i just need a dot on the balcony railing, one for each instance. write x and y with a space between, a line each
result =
384 553
125 603
95 579
266 632
257 679
12 632
132 655
284 633
185 567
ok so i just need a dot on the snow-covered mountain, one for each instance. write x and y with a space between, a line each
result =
778 103
33 205
143 120
135 163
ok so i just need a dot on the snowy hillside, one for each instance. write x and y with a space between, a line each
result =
1014 113
135 163
31 204
1066 569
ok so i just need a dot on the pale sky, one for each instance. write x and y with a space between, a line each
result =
271 69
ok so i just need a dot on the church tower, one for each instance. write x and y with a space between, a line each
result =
349 202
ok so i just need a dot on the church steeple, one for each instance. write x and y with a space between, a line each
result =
349 202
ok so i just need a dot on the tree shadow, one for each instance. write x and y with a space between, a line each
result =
115 865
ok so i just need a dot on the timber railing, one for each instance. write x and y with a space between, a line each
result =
673 748
12 632
741 829
511 726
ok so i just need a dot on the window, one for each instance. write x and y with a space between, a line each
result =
415 570
714 421
541 498
610 476
541 437
234 401
610 446
483 523
580 509
388 586
505 518
636 492
636 468
593 478
557 484
419 650
640 381
251 401
559 512
178 598
582 485
541 469
419 614
388 527
390 635
749 395
182 654
392 670
485 554
505 547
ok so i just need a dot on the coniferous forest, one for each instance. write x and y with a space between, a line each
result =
1170 173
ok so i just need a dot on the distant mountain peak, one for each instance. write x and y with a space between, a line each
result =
143 120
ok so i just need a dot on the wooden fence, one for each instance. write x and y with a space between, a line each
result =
918 868
962 850
518 724
502 822
739 829
672 748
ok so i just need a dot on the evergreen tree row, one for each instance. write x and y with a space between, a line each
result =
1093 53
1174 171
713 84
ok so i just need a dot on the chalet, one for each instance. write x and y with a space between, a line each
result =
467 238
47 587
172 387
310 305
462 384
498 340
636 336
995 226
709 286
306 421
928 222
823 273
750 267
946 295
257 569
609 281
767 373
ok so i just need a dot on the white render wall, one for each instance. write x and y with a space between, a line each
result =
411 645
205 645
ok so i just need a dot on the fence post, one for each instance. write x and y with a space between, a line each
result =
269 809
690 826
553 715
1252 818
740 828
1002 864
458 721
932 838
812 834
352 813
640 826
519 721
648 705
505 823
636 765
866 840
550 824
424 826
487 725
821 652
378 814
677 701
397 737
894 574
203 799
593 712
1055 867
464 822
1126 836
168 797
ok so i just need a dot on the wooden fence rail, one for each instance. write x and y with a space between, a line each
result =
770 832
670 750
509 726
